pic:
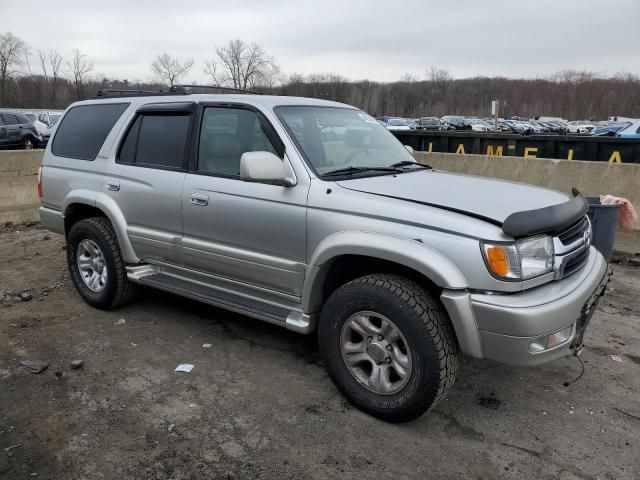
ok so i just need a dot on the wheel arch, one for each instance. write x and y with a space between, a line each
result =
80 204
347 255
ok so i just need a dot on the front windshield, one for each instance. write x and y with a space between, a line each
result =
53 119
397 122
335 138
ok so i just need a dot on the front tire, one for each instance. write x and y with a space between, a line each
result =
388 346
95 264
28 144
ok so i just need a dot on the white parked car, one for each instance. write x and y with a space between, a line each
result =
398 124
580 126
46 120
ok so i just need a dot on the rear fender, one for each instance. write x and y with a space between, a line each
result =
111 210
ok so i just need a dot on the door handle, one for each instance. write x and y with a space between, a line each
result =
113 186
199 199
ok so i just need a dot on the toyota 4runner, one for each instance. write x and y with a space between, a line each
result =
310 215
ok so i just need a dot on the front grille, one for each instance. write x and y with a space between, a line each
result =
574 232
575 263
572 248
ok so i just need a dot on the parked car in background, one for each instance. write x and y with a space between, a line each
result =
609 129
16 131
430 123
455 123
398 124
580 126
632 130
478 125
46 120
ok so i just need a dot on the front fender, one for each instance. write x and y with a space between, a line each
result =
110 208
409 253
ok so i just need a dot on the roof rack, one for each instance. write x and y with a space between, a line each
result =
118 92
173 90
216 87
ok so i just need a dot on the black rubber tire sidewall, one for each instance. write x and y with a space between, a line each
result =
84 229
420 392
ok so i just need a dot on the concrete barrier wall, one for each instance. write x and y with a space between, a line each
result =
19 200
591 178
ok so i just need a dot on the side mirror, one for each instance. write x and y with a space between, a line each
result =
409 149
265 167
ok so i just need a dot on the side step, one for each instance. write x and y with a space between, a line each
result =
291 319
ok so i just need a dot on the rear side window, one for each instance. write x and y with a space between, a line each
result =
84 129
156 140
9 119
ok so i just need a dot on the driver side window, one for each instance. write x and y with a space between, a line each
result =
227 133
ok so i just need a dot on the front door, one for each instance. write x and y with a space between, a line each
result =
247 232
146 179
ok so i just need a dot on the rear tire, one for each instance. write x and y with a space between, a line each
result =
95 264
28 144
424 338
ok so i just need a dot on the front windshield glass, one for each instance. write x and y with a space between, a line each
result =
53 119
397 122
333 138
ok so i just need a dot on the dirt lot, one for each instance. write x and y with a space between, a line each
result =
258 403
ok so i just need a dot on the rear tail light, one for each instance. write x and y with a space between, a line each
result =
40 182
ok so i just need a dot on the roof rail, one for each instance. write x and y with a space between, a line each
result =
216 87
118 92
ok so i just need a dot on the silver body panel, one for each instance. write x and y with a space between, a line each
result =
265 250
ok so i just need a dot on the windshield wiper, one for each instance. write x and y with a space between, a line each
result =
408 163
353 170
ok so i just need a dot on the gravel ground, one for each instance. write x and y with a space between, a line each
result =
258 403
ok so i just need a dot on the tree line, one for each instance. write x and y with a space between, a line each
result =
51 80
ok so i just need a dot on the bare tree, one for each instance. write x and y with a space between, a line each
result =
55 61
42 56
242 65
170 69
77 70
12 52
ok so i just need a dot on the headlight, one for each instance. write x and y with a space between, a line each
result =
519 260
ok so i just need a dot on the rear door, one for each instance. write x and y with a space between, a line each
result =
147 175
12 126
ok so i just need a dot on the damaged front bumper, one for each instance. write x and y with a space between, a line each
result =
537 325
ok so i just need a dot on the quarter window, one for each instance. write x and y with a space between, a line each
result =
84 129
227 133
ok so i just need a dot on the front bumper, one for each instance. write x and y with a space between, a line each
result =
507 324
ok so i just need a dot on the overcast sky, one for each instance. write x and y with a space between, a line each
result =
374 39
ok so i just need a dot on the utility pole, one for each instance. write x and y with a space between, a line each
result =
495 104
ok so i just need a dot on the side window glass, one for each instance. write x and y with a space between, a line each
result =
128 149
9 119
84 129
156 140
227 133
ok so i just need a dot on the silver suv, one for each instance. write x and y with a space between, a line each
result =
310 215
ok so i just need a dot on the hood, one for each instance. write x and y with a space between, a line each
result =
486 198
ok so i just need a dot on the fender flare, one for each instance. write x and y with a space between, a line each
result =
403 251
111 210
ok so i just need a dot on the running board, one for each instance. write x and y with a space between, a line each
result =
292 319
